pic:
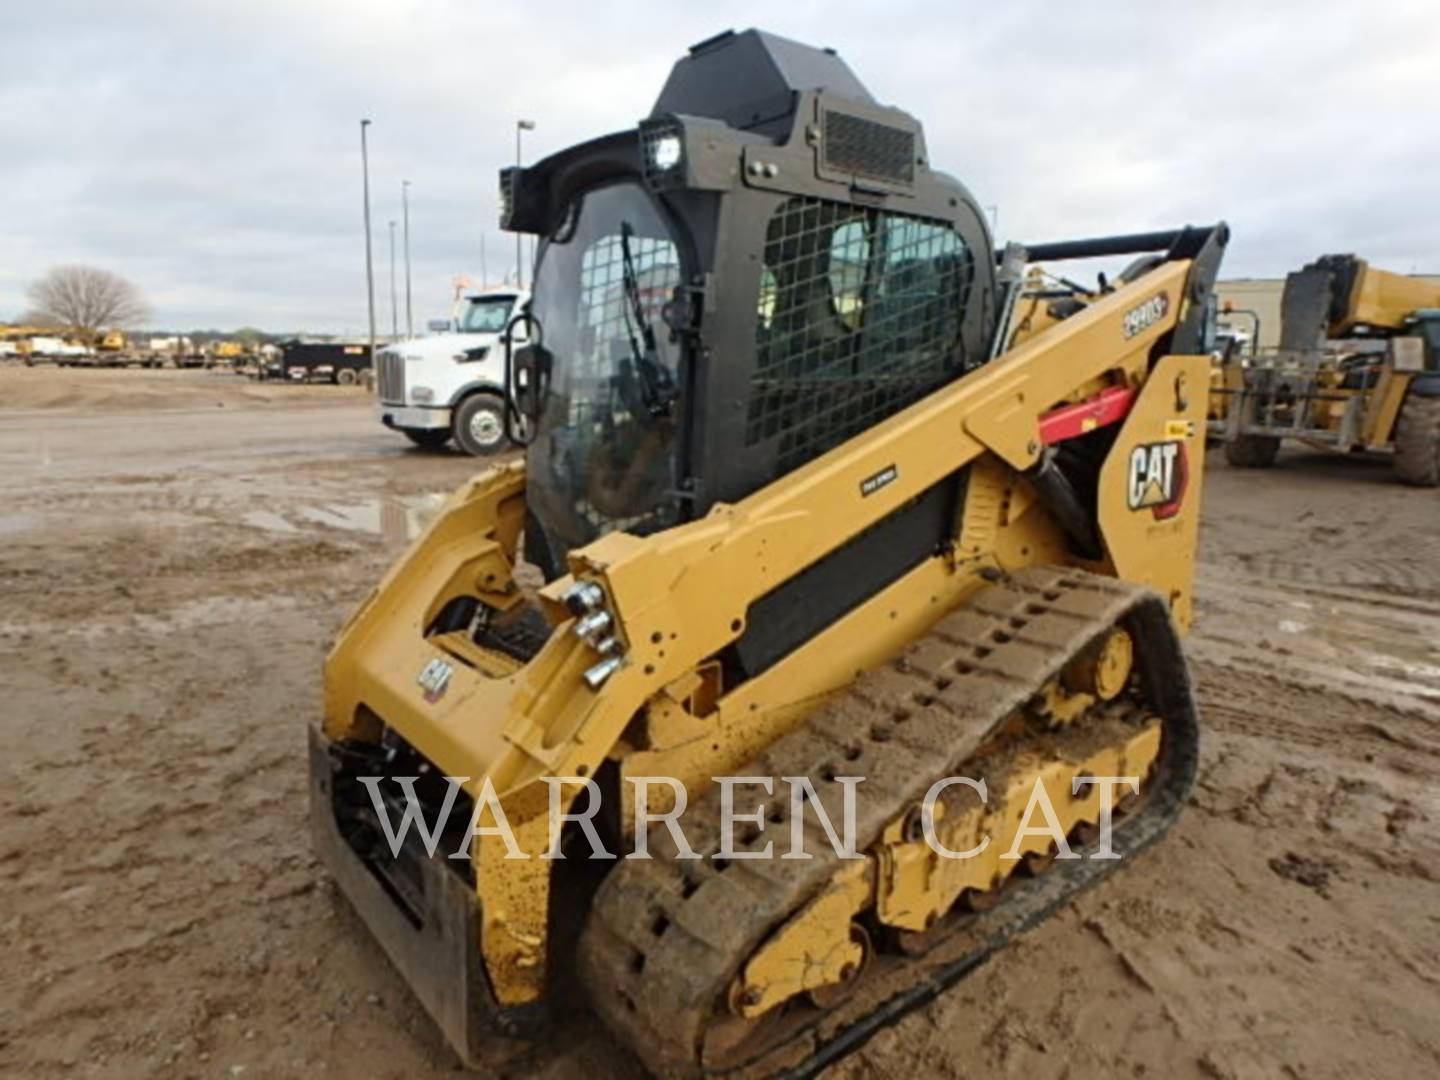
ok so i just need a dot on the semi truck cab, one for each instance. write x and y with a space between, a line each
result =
450 384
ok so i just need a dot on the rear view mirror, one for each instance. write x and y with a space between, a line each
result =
527 376
518 328
530 379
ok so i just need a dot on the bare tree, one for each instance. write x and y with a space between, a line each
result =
41 319
88 298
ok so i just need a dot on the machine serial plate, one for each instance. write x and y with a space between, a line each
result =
872 484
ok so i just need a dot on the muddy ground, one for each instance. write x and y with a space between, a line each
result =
177 549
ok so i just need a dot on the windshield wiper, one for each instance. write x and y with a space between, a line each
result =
657 385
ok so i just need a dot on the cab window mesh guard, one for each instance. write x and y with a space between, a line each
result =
860 312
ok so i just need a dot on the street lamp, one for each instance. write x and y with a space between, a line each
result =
394 305
369 261
409 309
520 125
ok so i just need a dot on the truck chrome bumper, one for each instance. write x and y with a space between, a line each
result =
414 418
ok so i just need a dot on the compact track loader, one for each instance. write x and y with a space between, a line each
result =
793 507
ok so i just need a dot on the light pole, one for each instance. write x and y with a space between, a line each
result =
369 262
409 308
520 125
394 304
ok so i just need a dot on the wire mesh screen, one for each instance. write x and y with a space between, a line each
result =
860 314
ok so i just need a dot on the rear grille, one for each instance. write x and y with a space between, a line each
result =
390 377
866 148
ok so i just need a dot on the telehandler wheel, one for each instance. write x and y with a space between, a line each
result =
480 425
429 440
1417 441
1252 451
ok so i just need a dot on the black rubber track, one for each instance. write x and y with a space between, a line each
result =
666 937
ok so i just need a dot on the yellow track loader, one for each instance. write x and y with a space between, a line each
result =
793 509
1358 368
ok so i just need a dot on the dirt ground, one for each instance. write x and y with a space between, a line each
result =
177 550
110 389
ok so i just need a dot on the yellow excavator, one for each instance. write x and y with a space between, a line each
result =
793 508
1358 368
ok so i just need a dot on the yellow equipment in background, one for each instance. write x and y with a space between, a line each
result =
112 341
23 337
229 354
1358 368
803 511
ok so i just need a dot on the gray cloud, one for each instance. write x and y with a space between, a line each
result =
210 151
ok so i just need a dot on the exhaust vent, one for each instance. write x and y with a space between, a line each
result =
868 149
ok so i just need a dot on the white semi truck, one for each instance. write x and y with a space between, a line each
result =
451 384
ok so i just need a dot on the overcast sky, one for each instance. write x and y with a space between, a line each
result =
209 150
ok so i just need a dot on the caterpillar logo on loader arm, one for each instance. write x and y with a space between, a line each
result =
1158 475
820 487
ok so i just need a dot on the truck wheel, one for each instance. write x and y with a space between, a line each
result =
1252 451
480 425
430 440
345 377
1417 441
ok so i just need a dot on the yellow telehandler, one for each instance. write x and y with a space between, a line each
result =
1358 368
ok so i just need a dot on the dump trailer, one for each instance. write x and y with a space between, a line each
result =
1358 368
810 519
339 362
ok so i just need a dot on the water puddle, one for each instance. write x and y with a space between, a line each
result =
1350 641
395 519
271 522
